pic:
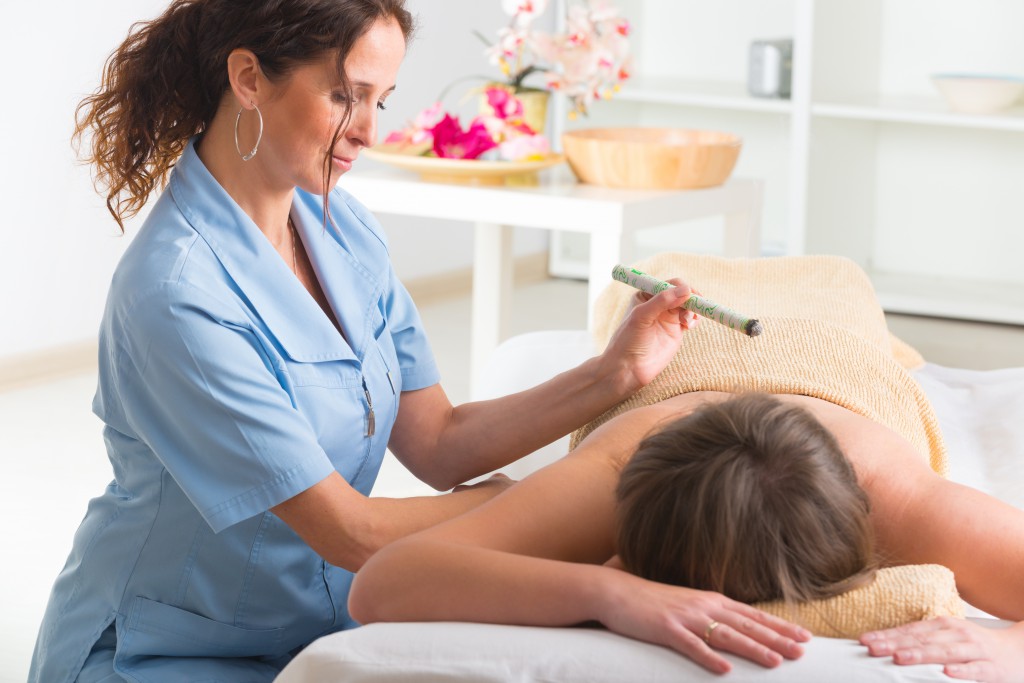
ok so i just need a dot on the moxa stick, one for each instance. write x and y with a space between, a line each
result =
706 308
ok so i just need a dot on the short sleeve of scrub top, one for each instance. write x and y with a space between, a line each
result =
206 400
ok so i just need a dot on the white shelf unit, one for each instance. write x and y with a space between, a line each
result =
865 160
715 94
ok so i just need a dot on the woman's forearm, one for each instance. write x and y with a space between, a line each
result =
444 445
346 528
479 437
429 580
512 426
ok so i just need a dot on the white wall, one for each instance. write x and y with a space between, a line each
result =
60 245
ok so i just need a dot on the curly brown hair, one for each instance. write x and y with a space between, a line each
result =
165 82
750 497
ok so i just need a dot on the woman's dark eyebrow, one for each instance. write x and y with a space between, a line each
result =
364 84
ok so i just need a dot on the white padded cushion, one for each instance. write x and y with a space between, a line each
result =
487 653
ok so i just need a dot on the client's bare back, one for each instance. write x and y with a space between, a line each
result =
869 446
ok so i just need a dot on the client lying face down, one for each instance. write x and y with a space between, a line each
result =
787 521
750 497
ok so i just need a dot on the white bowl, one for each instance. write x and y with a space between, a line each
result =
979 93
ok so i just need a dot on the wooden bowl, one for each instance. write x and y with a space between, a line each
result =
651 158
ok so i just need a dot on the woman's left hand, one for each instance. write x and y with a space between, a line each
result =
651 332
698 624
968 650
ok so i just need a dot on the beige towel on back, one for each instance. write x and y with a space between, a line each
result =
824 336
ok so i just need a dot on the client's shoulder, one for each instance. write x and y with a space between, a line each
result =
618 438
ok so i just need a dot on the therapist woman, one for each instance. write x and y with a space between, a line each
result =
258 354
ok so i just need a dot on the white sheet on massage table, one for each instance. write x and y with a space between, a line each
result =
979 413
488 653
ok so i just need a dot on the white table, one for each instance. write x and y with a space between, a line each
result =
556 202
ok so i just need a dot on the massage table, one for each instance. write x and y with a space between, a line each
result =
979 413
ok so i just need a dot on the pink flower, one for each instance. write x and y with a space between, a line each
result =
510 43
526 147
505 104
585 61
419 131
602 10
451 142
524 11
436 132
429 117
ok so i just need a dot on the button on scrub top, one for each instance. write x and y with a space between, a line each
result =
225 390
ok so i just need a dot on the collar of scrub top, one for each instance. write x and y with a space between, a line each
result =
291 314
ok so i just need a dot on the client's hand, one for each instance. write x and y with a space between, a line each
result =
697 623
651 332
969 650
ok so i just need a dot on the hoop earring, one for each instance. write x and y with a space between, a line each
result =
255 148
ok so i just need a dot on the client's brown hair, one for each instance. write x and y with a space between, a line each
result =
750 497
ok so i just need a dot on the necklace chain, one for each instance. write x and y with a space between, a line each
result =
295 238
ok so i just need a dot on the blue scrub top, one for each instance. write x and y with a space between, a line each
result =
225 390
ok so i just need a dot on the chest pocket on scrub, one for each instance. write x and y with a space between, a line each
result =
329 394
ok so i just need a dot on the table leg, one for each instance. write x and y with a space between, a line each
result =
742 229
492 292
605 252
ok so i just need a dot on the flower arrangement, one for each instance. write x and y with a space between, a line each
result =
500 133
586 62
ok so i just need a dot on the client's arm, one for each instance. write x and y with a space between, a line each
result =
982 540
922 518
532 556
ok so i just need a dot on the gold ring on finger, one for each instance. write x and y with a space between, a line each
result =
709 630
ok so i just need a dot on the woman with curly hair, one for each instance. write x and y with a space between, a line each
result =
258 353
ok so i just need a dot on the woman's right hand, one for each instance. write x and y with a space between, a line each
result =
650 334
967 650
699 624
